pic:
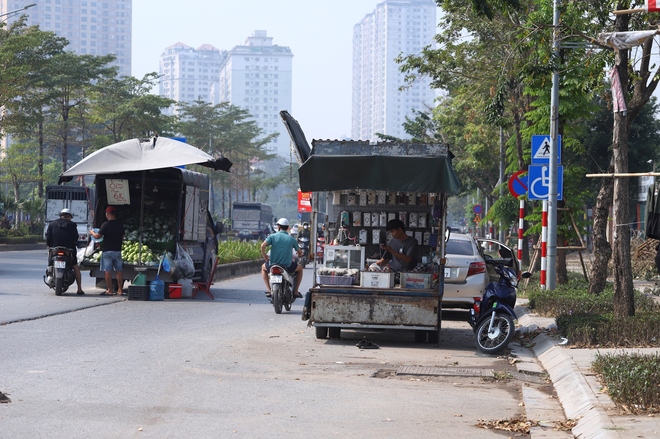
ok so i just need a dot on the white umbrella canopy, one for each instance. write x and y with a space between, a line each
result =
136 155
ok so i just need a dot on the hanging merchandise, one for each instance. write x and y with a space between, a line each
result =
362 237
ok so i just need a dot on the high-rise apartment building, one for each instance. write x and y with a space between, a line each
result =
91 27
395 27
257 77
187 74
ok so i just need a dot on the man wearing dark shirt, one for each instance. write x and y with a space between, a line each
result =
64 233
112 232
401 251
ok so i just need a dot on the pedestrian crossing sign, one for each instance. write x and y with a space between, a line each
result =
541 149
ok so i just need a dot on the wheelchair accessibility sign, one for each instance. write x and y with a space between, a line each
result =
539 182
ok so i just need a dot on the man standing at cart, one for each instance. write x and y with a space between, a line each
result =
401 250
112 232
281 253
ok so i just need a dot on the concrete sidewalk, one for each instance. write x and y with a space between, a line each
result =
579 392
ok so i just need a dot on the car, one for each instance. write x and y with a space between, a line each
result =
466 271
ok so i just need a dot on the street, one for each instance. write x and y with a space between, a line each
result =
226 368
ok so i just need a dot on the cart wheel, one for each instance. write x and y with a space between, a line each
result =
420 336
432 336
321 333
334 333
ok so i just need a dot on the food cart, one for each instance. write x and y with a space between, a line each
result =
368 184
164 208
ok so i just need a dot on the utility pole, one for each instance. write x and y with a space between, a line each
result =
500 231
551 260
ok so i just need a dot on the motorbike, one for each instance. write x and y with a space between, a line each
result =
303 242
281 288
492 315
59 272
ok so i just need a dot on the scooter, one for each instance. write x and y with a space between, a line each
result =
304 246
59 272
492 315
281 288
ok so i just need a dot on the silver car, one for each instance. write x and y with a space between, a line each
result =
466 271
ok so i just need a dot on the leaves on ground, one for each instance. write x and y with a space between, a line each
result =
522 425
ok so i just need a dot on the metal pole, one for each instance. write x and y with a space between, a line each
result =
501 232
554 149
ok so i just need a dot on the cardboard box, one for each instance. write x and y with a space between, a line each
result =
420 281
374 279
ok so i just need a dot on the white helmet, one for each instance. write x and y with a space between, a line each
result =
66 212
282 222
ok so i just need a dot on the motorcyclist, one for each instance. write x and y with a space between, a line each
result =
304 233
281 253
64 233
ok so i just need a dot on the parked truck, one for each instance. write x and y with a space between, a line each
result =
160 208
79 199
252 221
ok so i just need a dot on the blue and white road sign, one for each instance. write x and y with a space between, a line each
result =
539 182
541 150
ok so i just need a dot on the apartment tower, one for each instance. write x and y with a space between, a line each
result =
91 27
395 27
257 76
187 73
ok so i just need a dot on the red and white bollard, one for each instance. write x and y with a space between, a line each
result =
544 241
521 224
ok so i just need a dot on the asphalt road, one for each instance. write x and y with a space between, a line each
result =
229 368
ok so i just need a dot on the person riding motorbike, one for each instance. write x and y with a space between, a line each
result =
64 233
281 253
305 232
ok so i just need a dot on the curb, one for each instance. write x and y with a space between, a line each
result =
20 247
574 392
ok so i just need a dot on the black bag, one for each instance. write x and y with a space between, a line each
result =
652 213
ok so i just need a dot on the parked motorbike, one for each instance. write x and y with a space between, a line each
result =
492 315
281 288
59 272
303 243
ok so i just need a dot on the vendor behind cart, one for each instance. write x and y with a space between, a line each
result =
401 251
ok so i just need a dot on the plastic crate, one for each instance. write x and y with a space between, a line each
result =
138 292
335 280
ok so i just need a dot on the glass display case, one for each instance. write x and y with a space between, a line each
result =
344 256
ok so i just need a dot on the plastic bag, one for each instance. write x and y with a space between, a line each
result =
167 263
85 252
184 266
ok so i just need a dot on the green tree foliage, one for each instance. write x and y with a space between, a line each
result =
125 109
229 131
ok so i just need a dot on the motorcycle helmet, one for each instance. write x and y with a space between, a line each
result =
305 226
283 222
66 212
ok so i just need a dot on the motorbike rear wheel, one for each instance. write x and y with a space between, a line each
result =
276 291
59 286
500 336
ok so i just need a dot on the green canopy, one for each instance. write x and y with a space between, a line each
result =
379 172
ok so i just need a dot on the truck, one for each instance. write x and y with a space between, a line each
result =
79 199
373 184
252 221
161 209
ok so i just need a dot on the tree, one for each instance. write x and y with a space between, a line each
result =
125 109
69 76
228 131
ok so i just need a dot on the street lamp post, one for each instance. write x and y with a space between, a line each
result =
7 14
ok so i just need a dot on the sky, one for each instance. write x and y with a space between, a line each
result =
319 33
